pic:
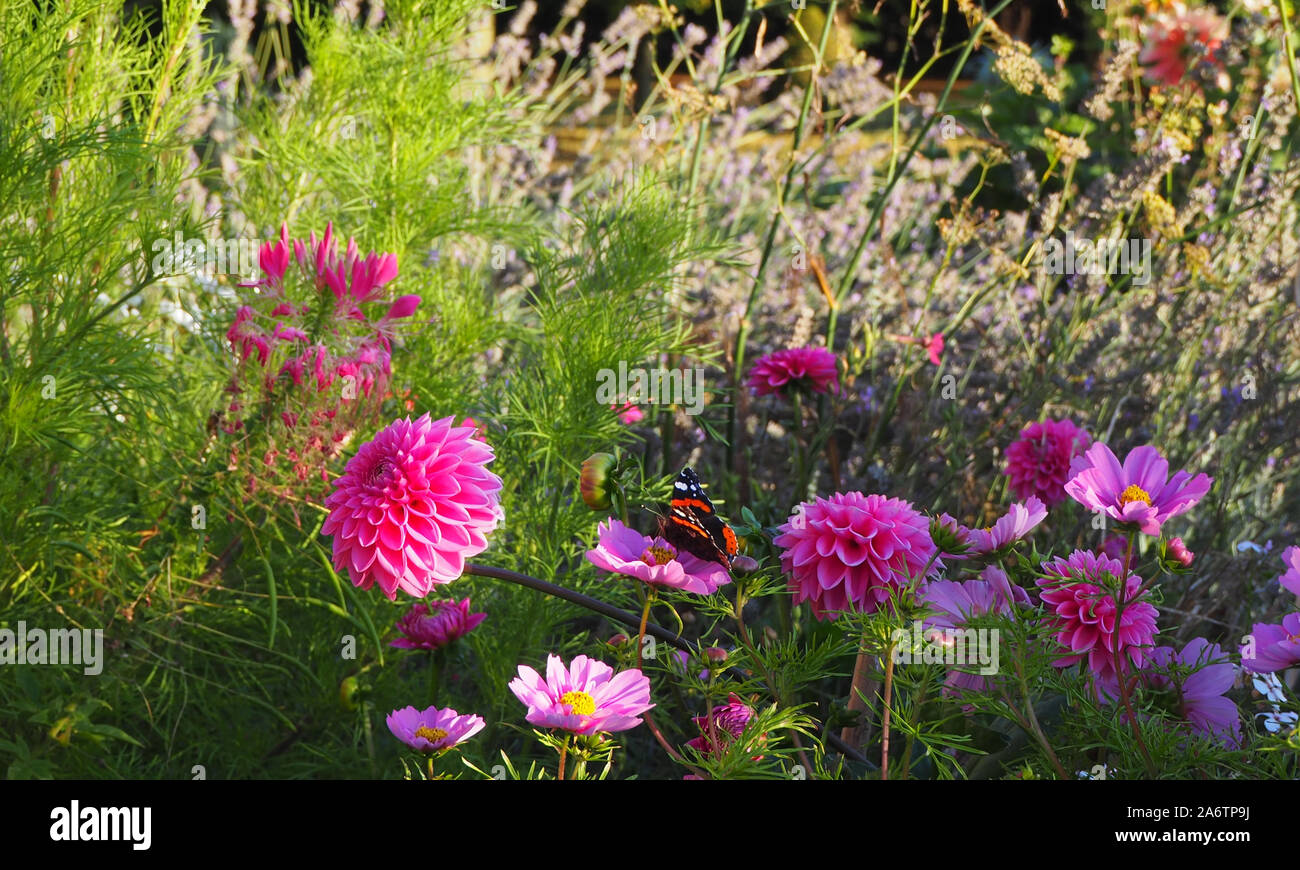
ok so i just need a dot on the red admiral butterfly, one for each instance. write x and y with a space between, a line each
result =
692 525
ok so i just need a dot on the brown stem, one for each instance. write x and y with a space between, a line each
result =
884 725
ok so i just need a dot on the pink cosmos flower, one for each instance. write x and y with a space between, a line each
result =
1199 675
586 698
433 730
1084 614
430 626
1019 520
1140 492
729 721
1290 578
1178 37
849 551
621 550
812 368
1038 463
412 505
1272 647
954 604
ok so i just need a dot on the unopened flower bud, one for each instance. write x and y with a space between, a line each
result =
1178 552
593 484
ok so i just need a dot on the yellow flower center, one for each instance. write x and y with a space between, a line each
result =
1134 493
658 556
433 735
579 703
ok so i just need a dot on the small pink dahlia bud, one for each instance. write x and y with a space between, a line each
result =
412 505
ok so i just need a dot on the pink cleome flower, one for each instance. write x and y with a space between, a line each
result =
437 624
812 368
850 551
1075 592
412 505
585 698
1038 463
1140 492
621 550
431 729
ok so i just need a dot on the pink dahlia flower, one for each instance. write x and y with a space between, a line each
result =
412 505
625 551
1139 492
433 730
430 626
729 721
813 368
586 698
1019 520
850 551
1038 463
955 604
1290 578
1272 647
1199 675
1084 614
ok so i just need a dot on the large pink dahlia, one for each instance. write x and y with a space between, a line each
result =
813 368
585 698
849 551
1085 624
1038 463
412 506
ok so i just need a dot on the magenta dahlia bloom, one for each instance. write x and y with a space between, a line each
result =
729 721
1199 675
1038 463
813 368
434 625
1273 647
412 506
1019 520
1139 492
433 730
586 698
1084 614
849 551
621 550
1290 578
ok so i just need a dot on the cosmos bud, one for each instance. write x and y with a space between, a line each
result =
593 483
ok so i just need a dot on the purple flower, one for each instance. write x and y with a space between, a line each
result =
1290 579
955 604
625 551
1140 492
1200 674
432 730
435 625
1272 647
